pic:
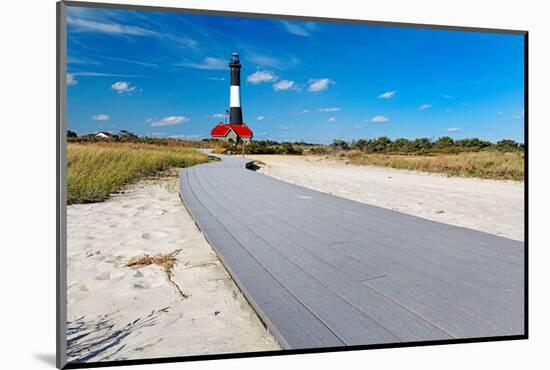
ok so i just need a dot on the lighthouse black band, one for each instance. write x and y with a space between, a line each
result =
236 75
235 116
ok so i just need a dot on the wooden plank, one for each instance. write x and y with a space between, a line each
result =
427 275
447 253
351 211
473 273
352 273
346 321
399 321
293 324
285 226
486 329
453 320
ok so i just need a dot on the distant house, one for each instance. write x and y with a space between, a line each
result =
232 133
104 135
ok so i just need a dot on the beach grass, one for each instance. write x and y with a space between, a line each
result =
483 164
96 170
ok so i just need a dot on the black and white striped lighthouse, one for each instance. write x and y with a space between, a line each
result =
236 131
235 112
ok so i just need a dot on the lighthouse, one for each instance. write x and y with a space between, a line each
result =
236 130
235 111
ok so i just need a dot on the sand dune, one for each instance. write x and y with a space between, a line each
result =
493 206
117 312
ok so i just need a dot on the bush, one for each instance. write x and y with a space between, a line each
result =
507 145
271 147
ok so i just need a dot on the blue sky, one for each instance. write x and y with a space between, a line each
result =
166 75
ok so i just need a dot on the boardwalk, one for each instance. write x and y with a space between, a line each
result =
323 271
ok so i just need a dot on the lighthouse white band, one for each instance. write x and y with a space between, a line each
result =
235 96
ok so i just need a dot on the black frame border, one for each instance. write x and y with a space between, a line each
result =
61 217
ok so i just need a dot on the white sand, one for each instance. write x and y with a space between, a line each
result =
487 205
133 313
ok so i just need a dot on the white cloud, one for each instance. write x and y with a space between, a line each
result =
217 115
305 111
261 76
183 41
424 106
216 78
285 85
88 22
101 74
453 129
520 114
168 121
359 126
279 62
260 118
500 112
334 109
332 119
387 95
286 127
86 25
70 80
74 60
300 29
320 84
380 119
131 61
448 96
208 63
100 117
122 87
264 60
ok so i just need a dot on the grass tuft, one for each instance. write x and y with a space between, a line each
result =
484 164
96 170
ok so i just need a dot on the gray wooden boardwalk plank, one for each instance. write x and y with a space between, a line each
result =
468 324
439 251
359 214
459 288
377 230
471 272
326 271
346 321
349 265
267 296
351 211
399 321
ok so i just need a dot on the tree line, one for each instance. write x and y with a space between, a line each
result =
382 144
444 144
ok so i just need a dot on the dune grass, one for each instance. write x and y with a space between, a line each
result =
97 169
483 164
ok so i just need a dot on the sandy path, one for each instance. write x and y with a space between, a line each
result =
487 205
132 313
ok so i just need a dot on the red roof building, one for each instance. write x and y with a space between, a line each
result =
232 133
